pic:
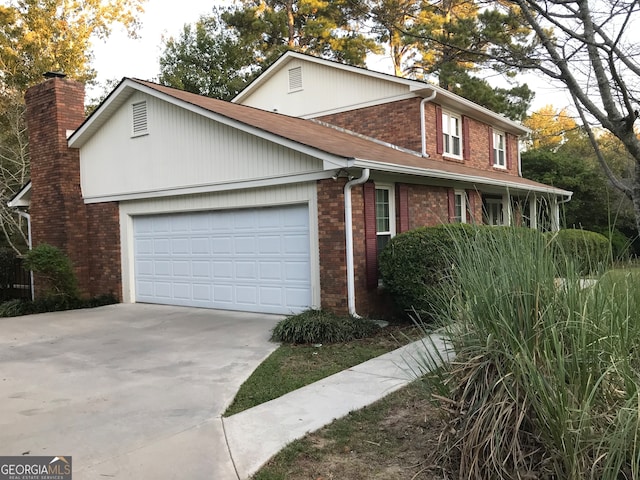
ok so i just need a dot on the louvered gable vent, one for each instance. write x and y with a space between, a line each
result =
140 126
295 79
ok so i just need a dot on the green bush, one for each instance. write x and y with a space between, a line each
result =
588 251
414 264
54 269
545 380
619 244
18 307
318 326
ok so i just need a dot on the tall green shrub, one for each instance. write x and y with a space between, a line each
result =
546 380
414 264
588 251
54 270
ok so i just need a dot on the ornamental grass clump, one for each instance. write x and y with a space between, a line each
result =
546 379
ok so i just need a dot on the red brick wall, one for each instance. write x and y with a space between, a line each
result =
399 123
331 239
427 206
58 214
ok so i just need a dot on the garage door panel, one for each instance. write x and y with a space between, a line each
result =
254 260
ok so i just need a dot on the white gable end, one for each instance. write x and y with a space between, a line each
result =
179 149
303 88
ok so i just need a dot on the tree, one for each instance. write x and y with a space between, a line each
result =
206 59
549 127
55 35
39 36
328 29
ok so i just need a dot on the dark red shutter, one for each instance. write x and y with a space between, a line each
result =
451 195
402 206
471 198
370 237
491 146
466 140
439 141
507 150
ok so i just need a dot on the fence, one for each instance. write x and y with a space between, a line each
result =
15 280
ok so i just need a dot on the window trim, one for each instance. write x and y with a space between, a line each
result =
447 118
464 205
392 209
495 151
496 201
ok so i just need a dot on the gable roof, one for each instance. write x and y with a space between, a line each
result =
418 87
337 147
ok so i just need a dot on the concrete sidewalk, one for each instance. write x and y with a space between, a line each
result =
257 434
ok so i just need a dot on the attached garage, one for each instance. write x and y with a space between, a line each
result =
255 259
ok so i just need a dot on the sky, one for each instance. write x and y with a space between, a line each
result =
121 56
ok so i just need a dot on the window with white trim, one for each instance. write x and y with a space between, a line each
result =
452 134
139 120
460 206
493 211
385 215
499 155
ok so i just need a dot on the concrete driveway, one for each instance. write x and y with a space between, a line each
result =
129 391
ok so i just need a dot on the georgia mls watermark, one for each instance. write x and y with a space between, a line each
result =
35 468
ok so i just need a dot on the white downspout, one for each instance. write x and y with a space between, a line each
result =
423 127
30 244
556 218
348 227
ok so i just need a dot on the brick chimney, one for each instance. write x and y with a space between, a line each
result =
54 108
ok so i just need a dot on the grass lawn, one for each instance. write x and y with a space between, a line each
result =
293 366
396 438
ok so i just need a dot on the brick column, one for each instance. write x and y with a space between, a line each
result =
58 213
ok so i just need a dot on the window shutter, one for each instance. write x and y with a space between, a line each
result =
370 238
439 140
466 141
491 160
402 203
471 198
507 150
451 195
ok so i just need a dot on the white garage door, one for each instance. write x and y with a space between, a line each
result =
253 260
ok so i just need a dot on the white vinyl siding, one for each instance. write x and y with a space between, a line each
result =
254 259
452 134
113 163
347 89
499 151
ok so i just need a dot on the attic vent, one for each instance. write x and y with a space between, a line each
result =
295 79
140 126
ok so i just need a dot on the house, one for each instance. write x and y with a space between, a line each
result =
276 202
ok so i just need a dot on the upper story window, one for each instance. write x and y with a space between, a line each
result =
385 215
499 151
139 124
295 79
452 134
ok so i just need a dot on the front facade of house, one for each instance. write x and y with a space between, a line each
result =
167 197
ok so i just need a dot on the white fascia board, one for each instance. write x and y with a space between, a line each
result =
356 106
113 101
19 199
475 179
76 139
213 187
